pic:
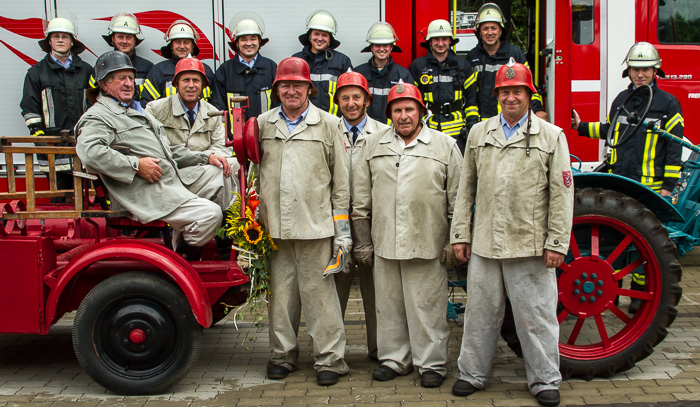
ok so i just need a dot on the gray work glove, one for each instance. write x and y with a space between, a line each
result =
342 244
362 236
448 257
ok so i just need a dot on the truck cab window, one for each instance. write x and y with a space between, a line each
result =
582 22
679 21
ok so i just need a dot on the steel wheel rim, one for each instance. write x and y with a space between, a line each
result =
578 262
148 357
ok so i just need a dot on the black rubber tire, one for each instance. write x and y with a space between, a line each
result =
623 210
167 342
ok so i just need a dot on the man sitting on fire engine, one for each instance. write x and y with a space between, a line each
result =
187 121
181 42
142 171
646 157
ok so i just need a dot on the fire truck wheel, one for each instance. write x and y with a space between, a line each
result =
134 333
612 236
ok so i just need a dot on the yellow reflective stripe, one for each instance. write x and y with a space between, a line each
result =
333 109
151 89
672 171
452 125
613 153
536 96
206 93
594 130
674 121
470 81
458 95
428 97
471 111
268 92
649 155
170 90
638 278
92 82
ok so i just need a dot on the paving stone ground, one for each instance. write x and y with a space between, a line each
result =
43 371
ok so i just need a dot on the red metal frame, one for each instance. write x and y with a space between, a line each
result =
408 18
579 63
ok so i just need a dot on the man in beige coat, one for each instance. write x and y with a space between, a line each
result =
186 121
516 190
305 195
353 98
142 171
404 188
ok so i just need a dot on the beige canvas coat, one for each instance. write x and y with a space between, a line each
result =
371 127
108 127
523 205
303 176
207 133
409 194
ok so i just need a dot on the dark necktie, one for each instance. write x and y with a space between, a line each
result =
190 117
355 132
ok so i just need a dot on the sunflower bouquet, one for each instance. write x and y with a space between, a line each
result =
255 247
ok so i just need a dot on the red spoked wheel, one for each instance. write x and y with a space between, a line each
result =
612 237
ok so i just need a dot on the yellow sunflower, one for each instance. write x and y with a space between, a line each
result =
253 233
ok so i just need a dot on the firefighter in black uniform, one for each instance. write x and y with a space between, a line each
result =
124 34
446 83
54 92
181 42
647 157
492 52
380 71
325 62
248 73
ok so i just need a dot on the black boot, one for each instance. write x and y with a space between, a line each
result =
635 302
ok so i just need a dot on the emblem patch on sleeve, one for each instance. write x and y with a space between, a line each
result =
567 178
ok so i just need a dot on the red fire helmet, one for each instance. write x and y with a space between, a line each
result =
193 65
514 74
404 91
292 69
351 78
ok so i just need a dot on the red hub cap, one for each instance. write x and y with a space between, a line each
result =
137 336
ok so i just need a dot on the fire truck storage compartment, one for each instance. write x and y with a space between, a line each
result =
25 261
